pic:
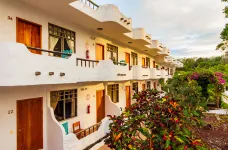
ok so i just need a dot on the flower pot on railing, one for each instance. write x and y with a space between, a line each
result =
121 63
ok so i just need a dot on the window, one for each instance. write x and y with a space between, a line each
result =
113 92
135 87
64 104
112 52
61 40
148 85
134 57
148 62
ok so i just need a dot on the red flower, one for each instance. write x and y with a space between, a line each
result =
164 138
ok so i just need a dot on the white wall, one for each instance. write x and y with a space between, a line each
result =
9 96
23 64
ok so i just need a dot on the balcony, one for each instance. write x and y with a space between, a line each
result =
164 74
156 46
108 71
155 73
140 73
106 16
27 68
169 59
178 64
165 52
139 36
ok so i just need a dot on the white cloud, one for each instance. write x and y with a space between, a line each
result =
192 24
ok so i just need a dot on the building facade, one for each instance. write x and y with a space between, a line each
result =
65 66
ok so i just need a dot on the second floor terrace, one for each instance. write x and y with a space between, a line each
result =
34 66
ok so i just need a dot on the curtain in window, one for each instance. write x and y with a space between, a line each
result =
53 43
54 101
70 44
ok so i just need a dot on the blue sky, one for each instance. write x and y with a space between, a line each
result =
190 28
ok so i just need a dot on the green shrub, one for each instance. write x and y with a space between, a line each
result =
155 123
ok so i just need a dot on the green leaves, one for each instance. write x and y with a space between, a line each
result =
154 123
167 143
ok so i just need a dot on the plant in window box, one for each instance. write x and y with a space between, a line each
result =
123 63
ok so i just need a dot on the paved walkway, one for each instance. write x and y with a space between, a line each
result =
219 111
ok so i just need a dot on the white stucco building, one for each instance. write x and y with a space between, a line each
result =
44 91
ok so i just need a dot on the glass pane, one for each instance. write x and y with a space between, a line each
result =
59 111
69 107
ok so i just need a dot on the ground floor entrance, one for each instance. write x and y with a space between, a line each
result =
30 124
100 98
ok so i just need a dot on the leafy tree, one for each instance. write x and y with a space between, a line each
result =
224 34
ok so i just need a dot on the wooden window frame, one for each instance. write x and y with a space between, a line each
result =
135 87
111 89
148 85
113 49
134 56
74 97
148 62
62 37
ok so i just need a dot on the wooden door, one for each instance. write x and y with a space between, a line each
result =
143 87
99 52
154 64
100 96
143 62
29 34
30 124
155 85
127 58
128 96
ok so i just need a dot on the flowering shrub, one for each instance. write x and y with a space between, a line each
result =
197 87
154 123
219 77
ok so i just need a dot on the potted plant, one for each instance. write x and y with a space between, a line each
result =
123 63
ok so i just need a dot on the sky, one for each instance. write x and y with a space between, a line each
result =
189 28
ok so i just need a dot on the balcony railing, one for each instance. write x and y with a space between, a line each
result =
145 67
88 131
91 4
86 62
56 53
